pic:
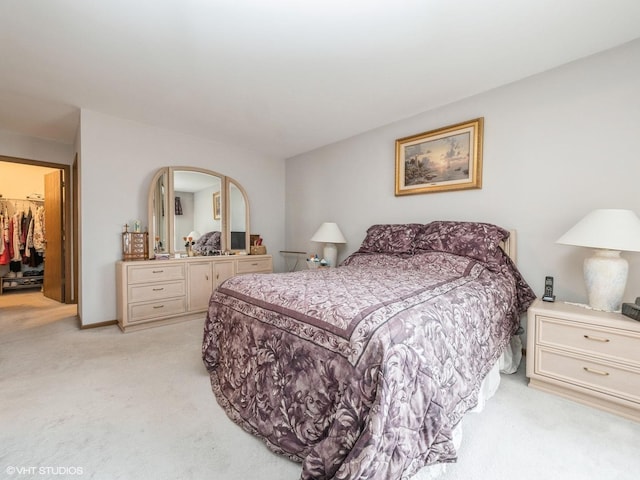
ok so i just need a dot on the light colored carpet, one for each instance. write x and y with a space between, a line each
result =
139 405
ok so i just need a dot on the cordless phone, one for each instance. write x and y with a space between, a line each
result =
548 290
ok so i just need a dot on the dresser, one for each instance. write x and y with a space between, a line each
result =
585 355
155 292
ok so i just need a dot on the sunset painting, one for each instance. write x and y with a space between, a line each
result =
437 160
444 159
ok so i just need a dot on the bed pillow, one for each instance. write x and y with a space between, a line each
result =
480 241
208 244
390 238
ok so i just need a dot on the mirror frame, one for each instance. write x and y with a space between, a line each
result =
225 233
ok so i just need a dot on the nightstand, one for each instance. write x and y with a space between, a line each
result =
585 355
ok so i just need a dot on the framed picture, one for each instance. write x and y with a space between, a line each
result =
216 206
449 158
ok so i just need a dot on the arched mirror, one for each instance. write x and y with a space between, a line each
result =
159 213
196 195
186 200
238 216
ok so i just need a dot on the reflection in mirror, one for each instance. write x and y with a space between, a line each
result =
185 200
194 193
237 217
160 219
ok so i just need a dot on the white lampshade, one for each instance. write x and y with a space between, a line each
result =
330 234
609 229
194 235
609 232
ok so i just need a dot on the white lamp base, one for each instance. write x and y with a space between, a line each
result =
330 253
605 274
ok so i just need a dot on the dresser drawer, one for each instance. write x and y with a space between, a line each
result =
146 311
155 291
603 377
589 339
255 265
156 273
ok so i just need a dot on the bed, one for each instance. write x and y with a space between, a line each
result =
363 371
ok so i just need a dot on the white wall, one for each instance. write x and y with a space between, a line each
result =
118 159
556 146
17 180
22 146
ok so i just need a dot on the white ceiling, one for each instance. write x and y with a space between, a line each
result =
280 76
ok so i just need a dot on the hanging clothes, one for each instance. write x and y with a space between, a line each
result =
39 230
16 233
27 220
4 237
21 233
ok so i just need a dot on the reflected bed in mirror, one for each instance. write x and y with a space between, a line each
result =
208 244
193 192
186 201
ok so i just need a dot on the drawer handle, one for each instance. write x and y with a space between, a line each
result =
158 306
158 271
597 372
254 264
596 339
158 289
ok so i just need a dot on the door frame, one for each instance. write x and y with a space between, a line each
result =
70 228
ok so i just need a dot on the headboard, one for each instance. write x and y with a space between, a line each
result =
509 246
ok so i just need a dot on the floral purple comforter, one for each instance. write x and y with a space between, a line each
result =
361 371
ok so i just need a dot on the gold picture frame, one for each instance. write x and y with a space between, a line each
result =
216 206
449 158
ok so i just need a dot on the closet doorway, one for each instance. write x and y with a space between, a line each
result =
28 184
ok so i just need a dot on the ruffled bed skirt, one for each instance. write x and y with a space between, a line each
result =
508 363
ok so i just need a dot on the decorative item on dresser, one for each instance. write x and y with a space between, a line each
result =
152 293
257 248
135 245
589 356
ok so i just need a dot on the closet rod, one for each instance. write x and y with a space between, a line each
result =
41 200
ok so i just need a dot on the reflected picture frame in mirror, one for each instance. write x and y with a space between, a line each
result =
217 207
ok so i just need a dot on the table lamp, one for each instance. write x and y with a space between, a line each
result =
330 234
608 232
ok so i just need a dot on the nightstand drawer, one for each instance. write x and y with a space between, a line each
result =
589 339
603 377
